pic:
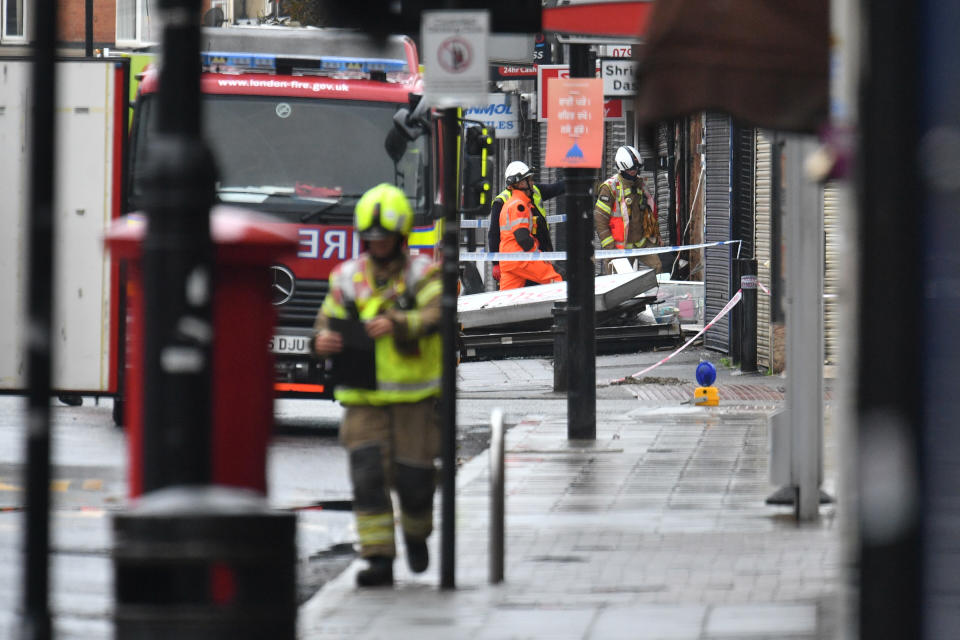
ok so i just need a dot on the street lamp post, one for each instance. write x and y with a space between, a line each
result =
582 349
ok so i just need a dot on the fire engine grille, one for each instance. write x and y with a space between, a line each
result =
301 309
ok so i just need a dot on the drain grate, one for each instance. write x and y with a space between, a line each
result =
728 392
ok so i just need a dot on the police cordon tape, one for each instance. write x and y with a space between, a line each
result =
524 256
484 223
726 309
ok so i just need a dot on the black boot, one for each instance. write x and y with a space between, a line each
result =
379 573
417 555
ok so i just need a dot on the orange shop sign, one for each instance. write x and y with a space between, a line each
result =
575 127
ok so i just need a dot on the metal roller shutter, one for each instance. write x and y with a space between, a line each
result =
664 131
831 229
717 223
545 174
742 193
763 201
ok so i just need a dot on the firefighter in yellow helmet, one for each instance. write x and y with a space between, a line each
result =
392 431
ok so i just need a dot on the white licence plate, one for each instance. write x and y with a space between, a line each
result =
290 344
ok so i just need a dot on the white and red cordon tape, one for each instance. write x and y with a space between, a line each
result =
726 309
524 256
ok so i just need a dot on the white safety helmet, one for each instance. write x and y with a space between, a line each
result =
628 158
517 171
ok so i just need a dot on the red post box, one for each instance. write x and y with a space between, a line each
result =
246 244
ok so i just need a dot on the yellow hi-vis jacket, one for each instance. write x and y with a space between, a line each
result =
625 215
409 366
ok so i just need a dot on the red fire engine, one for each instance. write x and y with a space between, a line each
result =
301 122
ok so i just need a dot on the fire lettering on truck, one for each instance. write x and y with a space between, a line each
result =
336 240
333 244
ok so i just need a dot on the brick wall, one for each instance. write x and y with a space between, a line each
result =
72 20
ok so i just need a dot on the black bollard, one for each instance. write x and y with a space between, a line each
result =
736 316
748 315
205 563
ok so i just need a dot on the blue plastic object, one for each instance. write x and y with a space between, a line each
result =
706 373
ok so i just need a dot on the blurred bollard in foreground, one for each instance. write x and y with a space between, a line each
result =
205 563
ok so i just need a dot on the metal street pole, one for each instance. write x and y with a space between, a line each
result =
582 350
449 124
178 267
906 446
35 623
88 28
803 217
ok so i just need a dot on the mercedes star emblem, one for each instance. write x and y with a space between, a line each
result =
282 284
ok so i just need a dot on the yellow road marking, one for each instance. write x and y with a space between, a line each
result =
60 486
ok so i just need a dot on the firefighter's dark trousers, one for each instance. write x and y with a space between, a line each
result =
393 446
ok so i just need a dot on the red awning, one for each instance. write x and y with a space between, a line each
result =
764 62
610 19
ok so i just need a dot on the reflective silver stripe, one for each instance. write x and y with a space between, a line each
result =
408 386
519 221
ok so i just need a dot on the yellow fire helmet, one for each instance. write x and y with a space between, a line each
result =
382 210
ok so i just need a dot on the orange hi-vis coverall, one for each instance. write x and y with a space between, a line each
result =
517 235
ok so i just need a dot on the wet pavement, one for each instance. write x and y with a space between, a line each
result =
657 529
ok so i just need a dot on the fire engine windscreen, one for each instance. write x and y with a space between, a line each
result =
270 147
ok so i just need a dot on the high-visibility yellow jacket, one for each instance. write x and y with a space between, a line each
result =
408 361
624 215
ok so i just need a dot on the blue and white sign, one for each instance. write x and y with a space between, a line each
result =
501 112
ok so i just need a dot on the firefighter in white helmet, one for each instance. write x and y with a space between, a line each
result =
541 193
518 232
625 215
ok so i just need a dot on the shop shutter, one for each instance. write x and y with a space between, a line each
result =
763 223
545 174
664 191
742 170
717 221
831 229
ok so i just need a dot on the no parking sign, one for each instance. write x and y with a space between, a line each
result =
455 57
